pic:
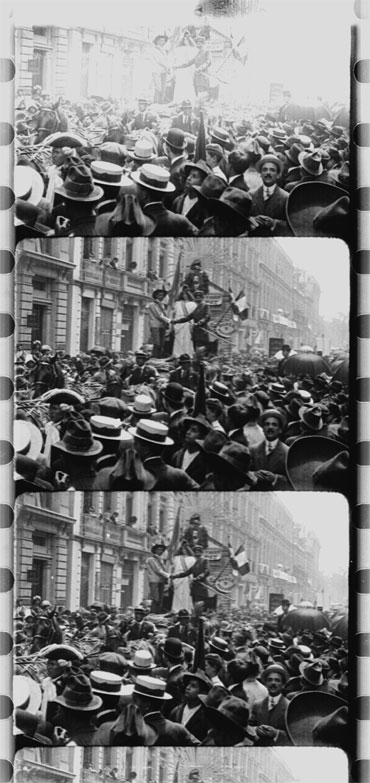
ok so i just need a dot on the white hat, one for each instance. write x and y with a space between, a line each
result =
152 687
153 177
28 184
108 428
143 659
143 151
27 438
151 431
142 404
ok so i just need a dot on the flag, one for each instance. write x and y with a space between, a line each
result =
200 394
199 662
175 285
176 775
200 144
175 538
239 560
239 305
240 51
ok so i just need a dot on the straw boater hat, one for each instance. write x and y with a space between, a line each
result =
143 151
27 439
106 173
317 209
305 711
106 683
78 440
153 178
107 428
78 695
152 688
151 432
278 669
79 185
307 454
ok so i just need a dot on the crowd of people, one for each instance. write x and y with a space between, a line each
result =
107 421
200 677
178 171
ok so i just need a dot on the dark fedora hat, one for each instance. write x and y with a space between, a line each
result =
212 187
308 454
231 715
78 440
79 185
78 695
305 207
305 710
200 420
311 671
213 442
234 458
175 138
311 417
233 201
159 291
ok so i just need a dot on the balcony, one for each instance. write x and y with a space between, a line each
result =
134 539
112 278
91 272
134 284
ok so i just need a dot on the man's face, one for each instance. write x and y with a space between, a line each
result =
55 413
209 669
192 433
58 156
196 269
160 296
139 616
142 105
53 669
274 683
140 360
269 174
271 428
211 160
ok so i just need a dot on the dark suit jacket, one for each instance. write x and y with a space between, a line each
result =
143 374
186 124
196 213
200 316
188 379
197 725
185 633
168 478
169 733
168 223
274 462
197 468
274 207
175 688
143 120
276 717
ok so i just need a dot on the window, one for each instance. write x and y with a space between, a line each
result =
88 247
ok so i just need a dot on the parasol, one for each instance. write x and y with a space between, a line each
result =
306 619
305 364
306 605
341 372
340 626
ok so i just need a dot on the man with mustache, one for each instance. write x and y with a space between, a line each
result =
269 200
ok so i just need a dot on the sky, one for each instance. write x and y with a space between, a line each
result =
315 764
328 261
326 515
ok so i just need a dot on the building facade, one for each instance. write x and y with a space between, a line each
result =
76 548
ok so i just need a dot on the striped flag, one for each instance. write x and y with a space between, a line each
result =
239 560
239 305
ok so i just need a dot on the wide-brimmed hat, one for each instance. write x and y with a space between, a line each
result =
221 647
143 151
200 165
308 212
155 296
56 652
26 693
143 405
221 137
173 648
27 438
78 440
270 159
233 201
107 428
152 432
105 173
106 683
311 162
151 687
28 184
311 417
175 138
79 185
232 715
78 695
174 393
159 544
201 677
59 396
142 661
311 671
278 669
200 420
233 459
311 452
305 710
153 177
184 358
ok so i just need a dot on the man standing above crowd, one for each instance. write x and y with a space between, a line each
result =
158 322
269 200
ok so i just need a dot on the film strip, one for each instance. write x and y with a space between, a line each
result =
361 139
7 71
